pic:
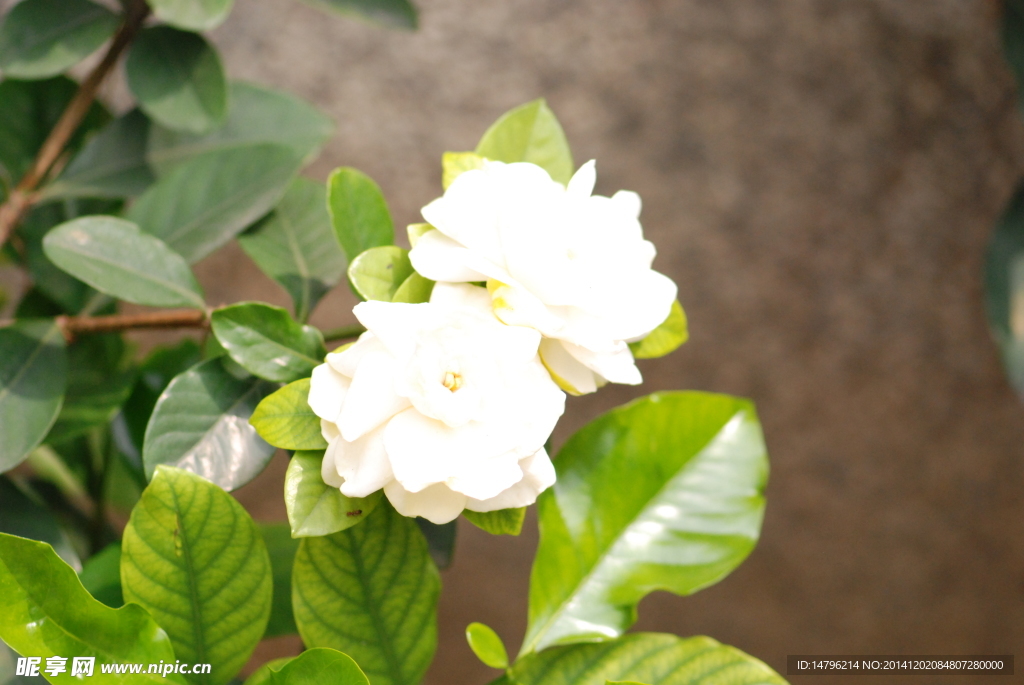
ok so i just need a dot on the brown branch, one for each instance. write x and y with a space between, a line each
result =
71 326
24 195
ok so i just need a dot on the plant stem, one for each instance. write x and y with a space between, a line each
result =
71 326
344 333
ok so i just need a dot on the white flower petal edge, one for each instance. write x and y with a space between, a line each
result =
571 265
441 404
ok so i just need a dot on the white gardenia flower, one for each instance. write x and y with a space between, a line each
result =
569 264
440 404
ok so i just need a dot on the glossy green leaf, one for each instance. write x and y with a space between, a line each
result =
316 508
9 669
43 38
414 289
1004 288
530 133
101 576
664 493
282 548
201 424
653 658
26 517
115 257
33 377
358 211
501 522
487 646
267 342
378 273
440 541
400 14
192 556
100 378
194 15
453 164
665 338
370 591
295 245
261 676
285 420
318 666
45 611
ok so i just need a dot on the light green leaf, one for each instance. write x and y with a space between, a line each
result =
33 377
295 245
9 669
201 424
453 164
194 15
664 493
285 420
43 38
370 591
399 14
267 342
358 211
665 338
414 289
313 667
487 646
23 516
653 658
378 273
261 676
115 257
530 133
502 522
45 611
192 556
207 201
281 548
416 231
101 576
314 507
1004 285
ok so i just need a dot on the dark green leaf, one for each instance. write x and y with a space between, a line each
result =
195 15
665 338
378 273
370 591
314 667
502 522
101 576
359 212
454 164
530 133
23 516
267 342
42 38
282 549
487 646
1004 288
285 420
440 541
399 14
59 286
414 289
664 493
314 507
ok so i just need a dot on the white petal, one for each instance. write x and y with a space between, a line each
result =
538 476
485 478
518 307
327 391
329 468
617 367
394 324
456 295
627 202
438 503
581 185
363 464
439 258
346 361
329 430
371 398
570 375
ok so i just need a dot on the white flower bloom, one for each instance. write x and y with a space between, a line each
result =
569 264
440 404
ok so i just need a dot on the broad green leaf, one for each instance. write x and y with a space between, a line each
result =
453 164
267 342
530 133
43 38
502 522
400 14
45 611
378 273
285 420
295 245
192 556
665 338
653 658
281 548
261 676
115 257
205 202
487 646
33 377
440 541
101 576
256 116
414 289
316 508
664 493
1004 288
370 591
9 669
194 15
358 211
318 666
111 165
23 516
415 231
201 424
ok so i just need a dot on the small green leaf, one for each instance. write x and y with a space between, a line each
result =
414 289
43 38
101 576
416 231
665 338
530 133
192 556
115 257
285 420
314 667
316 508
267 342
194 15
487 646
378 273
440 540
358 211
1004 285
502 522
25 517
281 548
399 14
453 164
370 591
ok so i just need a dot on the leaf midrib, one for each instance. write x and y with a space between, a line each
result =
186 549
266 340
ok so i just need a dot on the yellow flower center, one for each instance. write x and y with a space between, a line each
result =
452 380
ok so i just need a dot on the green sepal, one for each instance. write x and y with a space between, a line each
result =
501 522
378 273
666 338
530 133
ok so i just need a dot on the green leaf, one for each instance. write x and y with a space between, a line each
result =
45 611
43 38
453 164
399 14
416 231
201 424
178 79
281 548
206 201
653 658
101 576
313 667
192 556
9 669
664 493
665 338
194 15
502 522
370 591
440 541
414 289
285 420
378 273
1004 288
487 646
23 516
115 257
261 676
316 508
358 211
530 133
33 377
267 342
295 245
